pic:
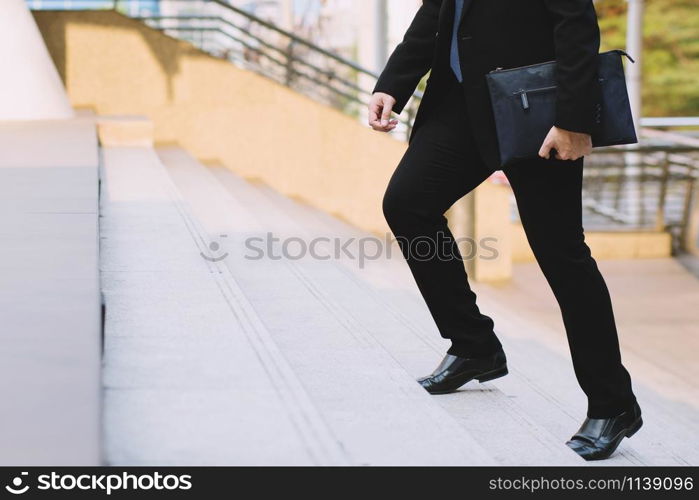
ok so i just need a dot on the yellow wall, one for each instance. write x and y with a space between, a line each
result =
259 129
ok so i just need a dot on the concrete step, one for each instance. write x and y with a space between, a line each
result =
539 403
125 131
380 295
188 376
374 408
49 293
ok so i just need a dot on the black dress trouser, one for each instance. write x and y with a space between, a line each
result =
441 165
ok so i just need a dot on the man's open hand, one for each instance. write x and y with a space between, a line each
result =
568 145
380 108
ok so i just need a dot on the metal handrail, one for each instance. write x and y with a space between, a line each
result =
652 188
263 54
270 46
291 71
294 37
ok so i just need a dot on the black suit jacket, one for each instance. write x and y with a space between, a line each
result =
499 34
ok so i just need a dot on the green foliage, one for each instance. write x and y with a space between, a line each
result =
671 52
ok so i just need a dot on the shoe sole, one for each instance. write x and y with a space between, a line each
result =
500 372
633 429
483 377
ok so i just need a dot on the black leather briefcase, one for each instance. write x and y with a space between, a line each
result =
524 107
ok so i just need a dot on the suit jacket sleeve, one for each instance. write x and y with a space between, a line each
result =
412 58
577 41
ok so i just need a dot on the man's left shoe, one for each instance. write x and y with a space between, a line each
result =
598 438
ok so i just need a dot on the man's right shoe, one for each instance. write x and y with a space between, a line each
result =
454 371
598 438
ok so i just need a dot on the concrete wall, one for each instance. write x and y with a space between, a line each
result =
259 129
50 310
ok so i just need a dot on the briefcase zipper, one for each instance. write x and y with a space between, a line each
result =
524 97
524 94
500 69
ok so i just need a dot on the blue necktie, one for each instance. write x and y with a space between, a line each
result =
454 56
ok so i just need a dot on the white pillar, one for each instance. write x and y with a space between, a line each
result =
380 34
634 46
373 34
30 88
287 15
134 8
634 74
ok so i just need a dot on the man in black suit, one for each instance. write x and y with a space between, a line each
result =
453 148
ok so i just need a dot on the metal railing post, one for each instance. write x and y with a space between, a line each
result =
411 112
689 230
660 220
642 189
289 70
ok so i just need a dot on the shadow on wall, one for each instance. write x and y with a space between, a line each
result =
54 27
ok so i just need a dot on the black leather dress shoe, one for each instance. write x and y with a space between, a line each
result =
454 371
598 438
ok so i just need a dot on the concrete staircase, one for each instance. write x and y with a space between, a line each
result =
293 380
213 356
